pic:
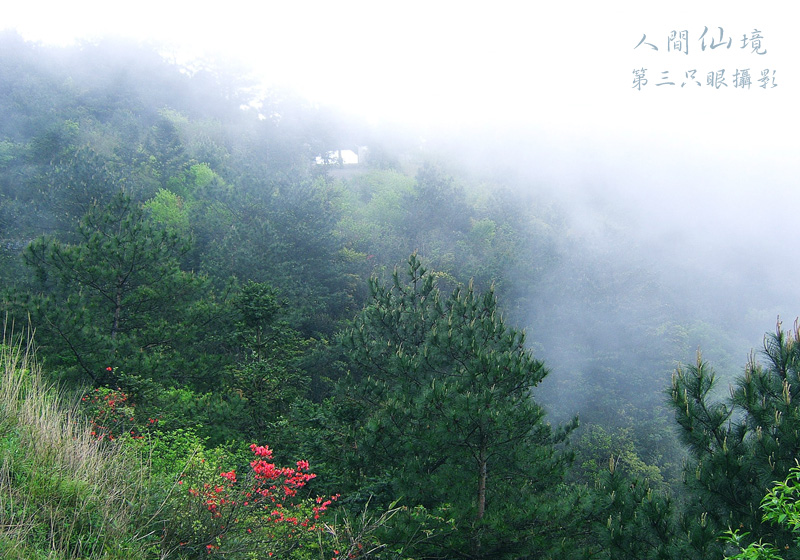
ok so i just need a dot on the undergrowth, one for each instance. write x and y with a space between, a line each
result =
62 494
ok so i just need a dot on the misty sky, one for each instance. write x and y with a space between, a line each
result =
705 172
563 70
562 63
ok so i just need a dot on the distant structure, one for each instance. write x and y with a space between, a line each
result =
344 157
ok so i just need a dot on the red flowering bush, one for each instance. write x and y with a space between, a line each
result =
260 512
112 414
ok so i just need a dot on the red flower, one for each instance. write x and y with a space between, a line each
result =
229 475
109 368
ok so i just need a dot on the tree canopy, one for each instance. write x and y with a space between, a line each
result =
449 415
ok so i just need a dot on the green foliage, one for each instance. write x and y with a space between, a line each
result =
169 159
218 417
115 294
753 551
593 447
62 494
267 374
394 533
633 518
74 183
439 204
781 507
443 388
65 494
781 504
745 443
139 172
167 210
250 513
111 414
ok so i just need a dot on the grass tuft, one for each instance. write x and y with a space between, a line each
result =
63 494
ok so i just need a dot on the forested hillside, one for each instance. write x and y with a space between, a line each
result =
457 368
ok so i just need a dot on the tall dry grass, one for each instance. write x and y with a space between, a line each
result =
63 494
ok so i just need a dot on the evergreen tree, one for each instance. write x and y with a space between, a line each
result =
437 214
268 372
116 297
447 413
740 446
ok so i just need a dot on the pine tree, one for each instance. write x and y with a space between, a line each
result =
449 417
267 372
741 445
115 295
